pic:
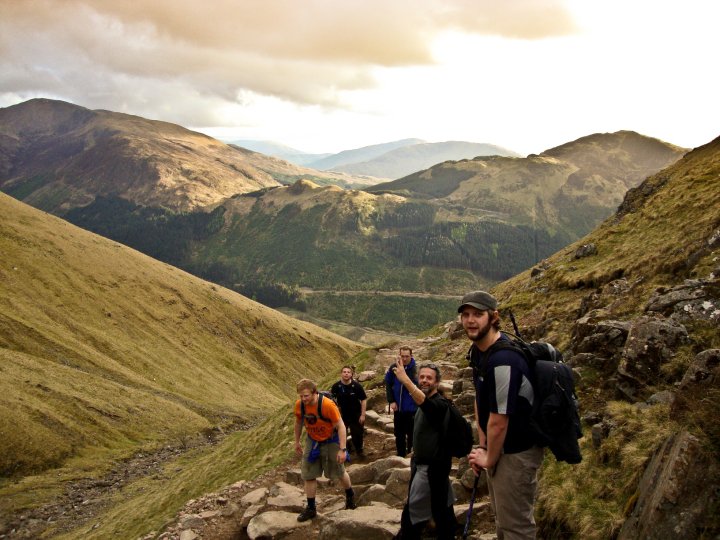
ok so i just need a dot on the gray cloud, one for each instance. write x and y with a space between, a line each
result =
160 55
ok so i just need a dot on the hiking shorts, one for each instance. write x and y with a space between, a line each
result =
326 463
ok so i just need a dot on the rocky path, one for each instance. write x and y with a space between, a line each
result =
267 507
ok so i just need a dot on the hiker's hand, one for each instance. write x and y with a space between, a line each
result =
478 460
393 407
362 419
298 448
400 373
341 455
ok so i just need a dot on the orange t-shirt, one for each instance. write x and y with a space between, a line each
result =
318 429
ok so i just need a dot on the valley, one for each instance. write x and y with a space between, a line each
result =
154 320
268 229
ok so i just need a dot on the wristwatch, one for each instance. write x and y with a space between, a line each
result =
343 449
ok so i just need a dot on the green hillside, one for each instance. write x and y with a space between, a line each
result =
665 234
104 352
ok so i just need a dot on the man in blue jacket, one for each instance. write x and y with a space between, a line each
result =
401 403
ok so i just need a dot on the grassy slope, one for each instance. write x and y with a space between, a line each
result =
104 350
659 243
153 501
649 246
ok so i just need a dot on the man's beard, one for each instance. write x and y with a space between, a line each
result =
482 331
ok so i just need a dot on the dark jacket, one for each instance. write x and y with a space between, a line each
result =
396 392
349 398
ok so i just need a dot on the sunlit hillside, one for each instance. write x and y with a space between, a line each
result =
104 349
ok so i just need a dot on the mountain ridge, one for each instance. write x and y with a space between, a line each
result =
399 162
57 156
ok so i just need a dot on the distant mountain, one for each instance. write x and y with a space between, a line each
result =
453 226
56 156
359 155
402 161
388 160
572 187
340 254
270 148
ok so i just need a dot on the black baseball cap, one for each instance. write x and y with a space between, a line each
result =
480 300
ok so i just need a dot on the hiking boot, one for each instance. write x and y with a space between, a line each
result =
308 513
350 503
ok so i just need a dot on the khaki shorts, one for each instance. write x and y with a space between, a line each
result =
326 463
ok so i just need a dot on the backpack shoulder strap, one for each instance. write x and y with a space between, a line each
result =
320 402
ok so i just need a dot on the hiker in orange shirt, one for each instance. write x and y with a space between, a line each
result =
325 445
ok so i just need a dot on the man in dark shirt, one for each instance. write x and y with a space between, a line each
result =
503 405
352 400
430 494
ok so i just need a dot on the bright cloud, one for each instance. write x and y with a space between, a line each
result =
326 75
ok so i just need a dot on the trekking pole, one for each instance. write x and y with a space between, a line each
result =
515 326
469 512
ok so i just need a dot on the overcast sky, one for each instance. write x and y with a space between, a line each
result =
329 75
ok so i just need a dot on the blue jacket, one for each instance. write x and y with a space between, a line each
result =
397 393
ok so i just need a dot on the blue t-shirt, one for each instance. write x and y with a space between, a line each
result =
503 386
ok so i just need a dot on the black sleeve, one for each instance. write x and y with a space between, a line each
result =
435 409
334 390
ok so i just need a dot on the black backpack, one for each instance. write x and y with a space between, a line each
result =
457 432
555 419
322 394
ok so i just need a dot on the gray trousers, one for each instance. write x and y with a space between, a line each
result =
513 484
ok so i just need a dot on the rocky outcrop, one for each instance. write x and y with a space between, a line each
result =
695 299
676 492
651 342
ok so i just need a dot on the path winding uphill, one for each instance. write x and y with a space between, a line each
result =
267 507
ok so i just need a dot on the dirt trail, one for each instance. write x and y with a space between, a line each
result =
86 498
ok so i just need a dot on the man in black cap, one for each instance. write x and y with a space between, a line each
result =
503 404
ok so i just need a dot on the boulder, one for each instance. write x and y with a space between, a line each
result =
254 497
377 522
250 513
293 477
695 299
371 417
454 330
274 525
704 370
602 339
465 402
397 483
391 462
362 474
287 497
586 250
651 342
377 493
192 521
364 376
376 400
